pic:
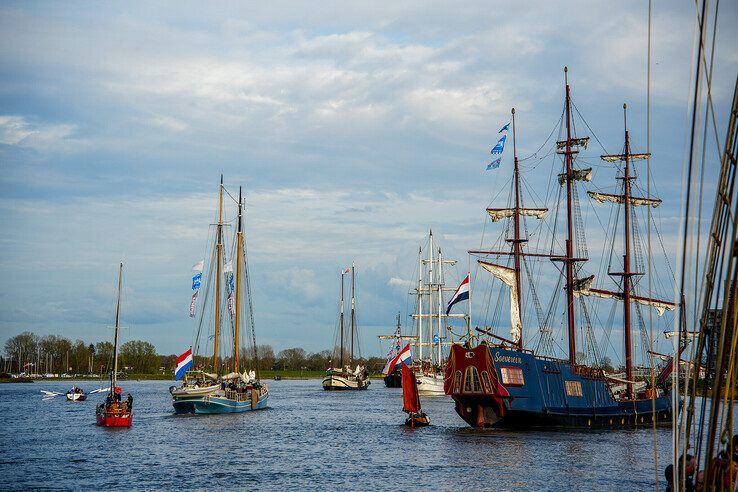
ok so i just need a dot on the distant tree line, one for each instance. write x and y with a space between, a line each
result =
32 354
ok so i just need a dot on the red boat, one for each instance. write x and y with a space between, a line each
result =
115 412
411 400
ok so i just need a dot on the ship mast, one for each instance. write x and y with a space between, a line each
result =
569 260
430 297
439 274
114 379
626 273
353 311
239 256
341 318
218 260
516 222
420 305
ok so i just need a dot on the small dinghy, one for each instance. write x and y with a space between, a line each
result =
411 400
76 394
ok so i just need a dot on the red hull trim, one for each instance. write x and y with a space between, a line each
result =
115 420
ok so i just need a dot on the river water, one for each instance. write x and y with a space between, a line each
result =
307 439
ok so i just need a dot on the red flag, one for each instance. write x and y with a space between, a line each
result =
410 398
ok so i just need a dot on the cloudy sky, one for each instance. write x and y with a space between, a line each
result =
353 128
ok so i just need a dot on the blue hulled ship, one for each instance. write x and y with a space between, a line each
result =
497 381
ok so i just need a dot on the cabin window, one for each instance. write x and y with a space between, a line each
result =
471 380
457 382
573 388
485 382
512 376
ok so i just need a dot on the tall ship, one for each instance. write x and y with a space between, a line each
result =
499 381
392 373
115 412
344 377
432 320
220 382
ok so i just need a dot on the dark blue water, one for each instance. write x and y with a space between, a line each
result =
307 439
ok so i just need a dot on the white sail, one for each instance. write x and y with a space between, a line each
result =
507 276
504 213
621 157
584 287
634 200
580 142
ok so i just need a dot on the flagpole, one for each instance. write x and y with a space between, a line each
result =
420 305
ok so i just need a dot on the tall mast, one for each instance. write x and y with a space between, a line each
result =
117 328
569 261
353 310
341 318
430 297
420 305
516 239
626 260
218 273
239 256
439 274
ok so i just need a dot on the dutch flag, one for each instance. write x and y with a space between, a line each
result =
403 356
461 294
184 362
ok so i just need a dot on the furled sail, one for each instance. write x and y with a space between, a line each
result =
504 213
584 287
634 200
507 276
580 142
577 175
621 157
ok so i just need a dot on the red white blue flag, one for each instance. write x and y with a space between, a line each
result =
403 355
184 362
461 294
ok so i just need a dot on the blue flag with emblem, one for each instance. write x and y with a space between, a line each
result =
494 164
196 280
504 128
500 147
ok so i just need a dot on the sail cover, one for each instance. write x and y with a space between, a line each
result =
581 142
584 287
507 276
503 213
577 175
621 157
634 200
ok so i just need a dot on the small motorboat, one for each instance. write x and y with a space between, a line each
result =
411 400
115 412
76 394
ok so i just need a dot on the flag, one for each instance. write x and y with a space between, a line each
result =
231 305
196 280
184 362
403 356
345 271
461 294
494 164
192 305
197 267
497 149
435 338
231 282
228 267
504 128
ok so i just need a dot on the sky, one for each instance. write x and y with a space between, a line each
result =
354 128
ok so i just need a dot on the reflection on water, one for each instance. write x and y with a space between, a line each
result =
308 438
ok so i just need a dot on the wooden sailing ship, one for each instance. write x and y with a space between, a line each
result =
506 384
227 387
115 412
344 377
393 372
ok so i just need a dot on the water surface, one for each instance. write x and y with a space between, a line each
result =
307 439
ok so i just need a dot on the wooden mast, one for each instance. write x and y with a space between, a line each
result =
353 311
569 260
341 318
239 256
114 379
516 239
626 260
218 273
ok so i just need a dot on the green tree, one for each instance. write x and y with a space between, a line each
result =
22 348
58 348
103 356
139 356
291 359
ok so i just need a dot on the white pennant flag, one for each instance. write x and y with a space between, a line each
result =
198 267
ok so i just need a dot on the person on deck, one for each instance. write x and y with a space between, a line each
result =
689 469
130 401
724 468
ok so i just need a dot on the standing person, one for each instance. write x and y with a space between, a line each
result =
724 468
130 401
689 470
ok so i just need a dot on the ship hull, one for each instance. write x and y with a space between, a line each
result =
393 379
337 382
430 386
536 392
214 404
121 420
76 396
